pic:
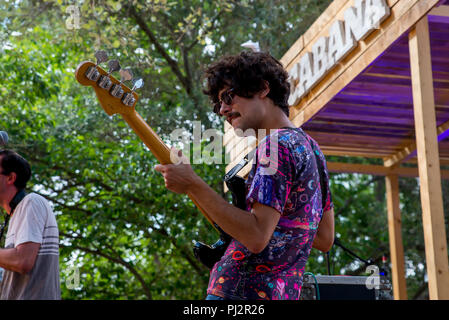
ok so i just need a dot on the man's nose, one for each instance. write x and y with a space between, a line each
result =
224 108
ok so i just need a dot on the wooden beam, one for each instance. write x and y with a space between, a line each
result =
395 237
439 14
409 151
341 167
443 131
428 161
377 170
336 139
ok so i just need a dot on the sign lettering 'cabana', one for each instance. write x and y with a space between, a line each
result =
359 21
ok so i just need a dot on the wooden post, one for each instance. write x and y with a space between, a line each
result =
395 235
428 161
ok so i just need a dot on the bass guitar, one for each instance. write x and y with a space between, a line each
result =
117 98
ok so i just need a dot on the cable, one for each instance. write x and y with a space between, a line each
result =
316 284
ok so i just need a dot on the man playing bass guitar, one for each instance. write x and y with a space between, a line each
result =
288 212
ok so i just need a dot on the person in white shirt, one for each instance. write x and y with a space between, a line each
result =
31 254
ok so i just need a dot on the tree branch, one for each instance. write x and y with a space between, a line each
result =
117 259
350 200
171 62
421 290
207 30
183 250
76 208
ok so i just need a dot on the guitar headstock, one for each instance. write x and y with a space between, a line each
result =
114 95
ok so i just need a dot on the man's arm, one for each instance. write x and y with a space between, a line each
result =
20 259
324 238
253 229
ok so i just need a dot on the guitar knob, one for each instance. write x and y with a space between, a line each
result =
3 138
128 99
105 82
101 56
137 84
92 73
125 75
113 65
117 91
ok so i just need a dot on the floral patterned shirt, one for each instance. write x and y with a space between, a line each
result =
285 177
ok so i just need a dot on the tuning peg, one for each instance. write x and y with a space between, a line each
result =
105 82
128 98
113 66
101 56
116 89
92 72
3 138
137 84
125 75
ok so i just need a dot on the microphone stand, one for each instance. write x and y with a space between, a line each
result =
338 243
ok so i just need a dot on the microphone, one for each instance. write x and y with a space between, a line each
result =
3 138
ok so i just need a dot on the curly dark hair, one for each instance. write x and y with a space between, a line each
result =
246 73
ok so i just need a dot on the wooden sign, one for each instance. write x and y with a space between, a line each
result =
359 21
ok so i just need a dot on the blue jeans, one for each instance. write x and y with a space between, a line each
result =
212 297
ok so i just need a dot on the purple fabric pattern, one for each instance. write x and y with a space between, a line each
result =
285 177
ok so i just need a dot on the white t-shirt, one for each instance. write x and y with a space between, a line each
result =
34 221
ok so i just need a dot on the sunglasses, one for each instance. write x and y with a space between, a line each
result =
226 97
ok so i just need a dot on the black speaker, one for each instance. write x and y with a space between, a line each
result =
345 288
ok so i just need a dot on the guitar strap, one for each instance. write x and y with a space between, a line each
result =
12 204
228 176
322 179
235 185
321 172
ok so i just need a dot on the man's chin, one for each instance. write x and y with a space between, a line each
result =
234 123
243 131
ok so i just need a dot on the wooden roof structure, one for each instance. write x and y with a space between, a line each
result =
387 98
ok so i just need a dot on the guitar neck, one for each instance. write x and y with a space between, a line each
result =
155 145
149 137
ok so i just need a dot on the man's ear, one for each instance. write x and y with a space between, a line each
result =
266 90
12 178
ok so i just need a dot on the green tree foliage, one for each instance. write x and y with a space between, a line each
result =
128 235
